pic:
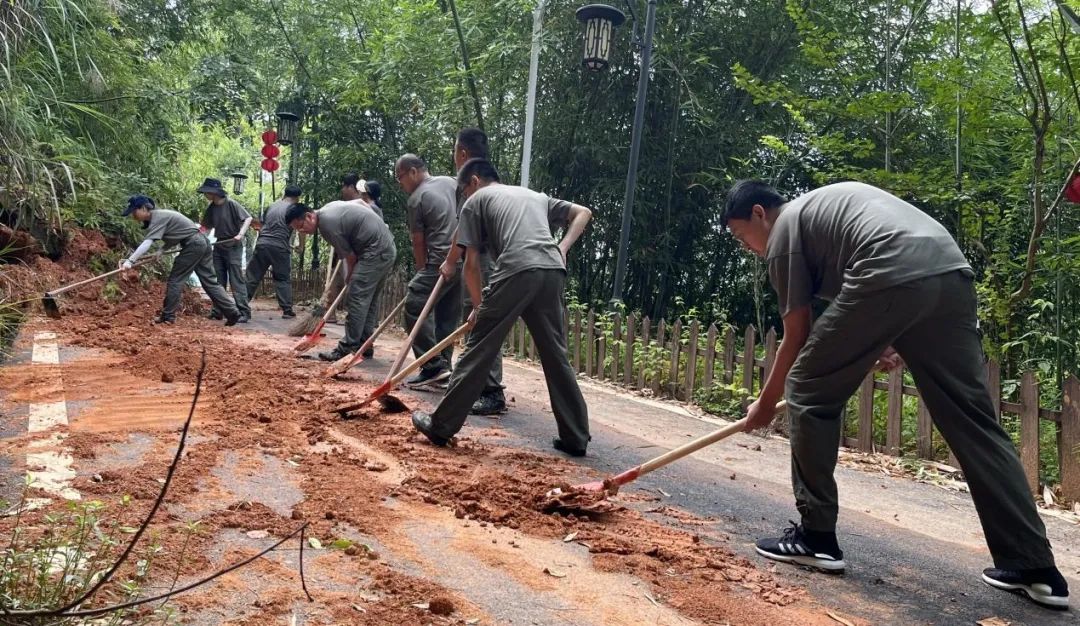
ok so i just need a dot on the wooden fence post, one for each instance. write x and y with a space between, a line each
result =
924 442
895 414
658 371
1029 429
590 348
628 351
646 328
615 354
710 358
866 414
749 340
577 340
676 347
691 361
1069 444
601 358
729 358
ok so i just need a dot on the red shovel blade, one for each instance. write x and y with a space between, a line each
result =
381 390
310 340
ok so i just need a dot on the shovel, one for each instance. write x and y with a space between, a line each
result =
610 486
52 307
391 403
311 339
344 364
415 329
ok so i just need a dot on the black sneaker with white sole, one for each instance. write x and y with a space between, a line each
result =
1044 586
803 547
428 378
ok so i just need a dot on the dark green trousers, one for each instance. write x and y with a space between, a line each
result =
495 375
932 324
363 285
278 259
195 256
445 315
537 297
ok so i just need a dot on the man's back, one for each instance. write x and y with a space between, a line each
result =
274 229
352 229
515 223
854 237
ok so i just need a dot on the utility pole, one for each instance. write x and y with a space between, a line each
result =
530 103
635 149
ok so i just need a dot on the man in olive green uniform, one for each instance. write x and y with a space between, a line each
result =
360 237
528 282
229 221
175 229
898 285
431 211
273 250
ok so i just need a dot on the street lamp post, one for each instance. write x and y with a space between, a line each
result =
597 49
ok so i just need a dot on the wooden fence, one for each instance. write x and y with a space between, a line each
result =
688 362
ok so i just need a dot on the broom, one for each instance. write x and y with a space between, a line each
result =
305 324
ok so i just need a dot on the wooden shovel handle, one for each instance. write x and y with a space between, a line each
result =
416 327
697 444
345 363
430 354
144 261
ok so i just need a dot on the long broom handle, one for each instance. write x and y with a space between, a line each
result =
697 444
333 305
430 354
148 259
416 327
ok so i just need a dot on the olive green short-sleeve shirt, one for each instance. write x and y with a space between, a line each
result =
170 227
515 225
353 228
854 238
432 210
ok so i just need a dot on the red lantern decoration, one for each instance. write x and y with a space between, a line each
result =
270 165
1072 191
270 151
269 137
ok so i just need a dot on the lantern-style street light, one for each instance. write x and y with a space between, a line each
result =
600 21
238 181
286 132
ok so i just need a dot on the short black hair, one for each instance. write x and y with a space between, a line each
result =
374 189
475 142
409 161
350 179
296 212
481 168
742 197
293 191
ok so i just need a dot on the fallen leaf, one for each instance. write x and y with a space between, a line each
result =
993 621
664 493
652 599
315 543
554 573
423 606
840 619
359 608
472 620
340 544
257 534
570 537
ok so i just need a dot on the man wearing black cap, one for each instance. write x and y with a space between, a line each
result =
365 242
174 229
229 220
272 250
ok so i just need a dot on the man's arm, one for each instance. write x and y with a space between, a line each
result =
449 266
797 325
243 229
474 281
577 219
419 249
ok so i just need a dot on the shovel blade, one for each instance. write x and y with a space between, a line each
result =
52 308
380 391
344 364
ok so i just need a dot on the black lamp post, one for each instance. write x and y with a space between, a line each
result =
600 21
286 131
239 179
597 48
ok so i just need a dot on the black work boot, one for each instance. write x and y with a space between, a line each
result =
489 403
422 423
